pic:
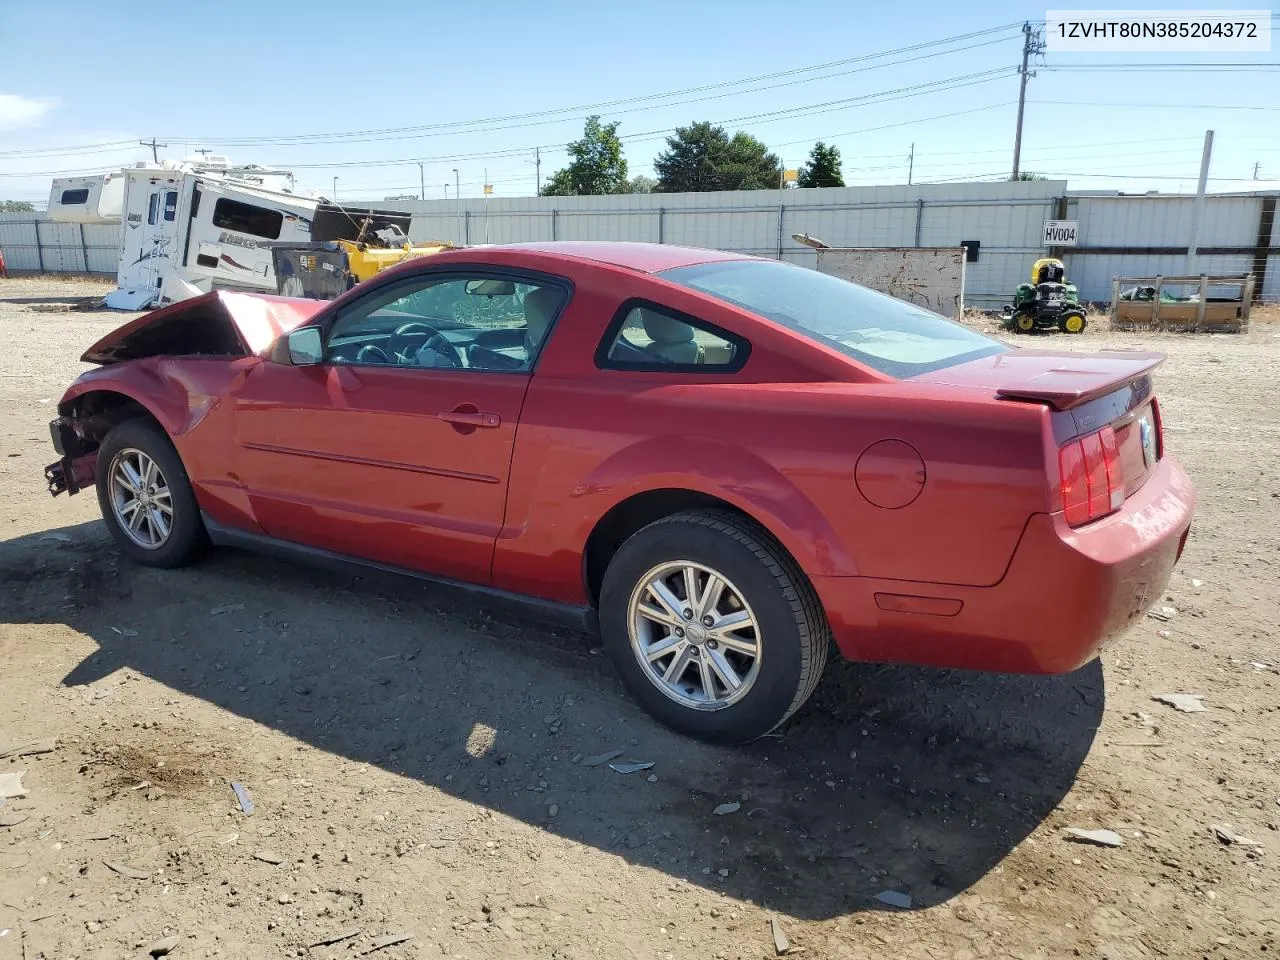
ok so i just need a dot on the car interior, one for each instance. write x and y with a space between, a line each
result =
492 324
482 324
649 337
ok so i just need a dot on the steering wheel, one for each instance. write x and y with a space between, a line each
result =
408 339
370 353
443 349
414 326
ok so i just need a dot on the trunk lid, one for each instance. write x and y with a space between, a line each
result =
1061 380
221 323
1087 391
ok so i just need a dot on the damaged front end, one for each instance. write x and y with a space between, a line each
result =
79 454
170 365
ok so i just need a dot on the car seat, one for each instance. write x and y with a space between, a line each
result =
672 339
540 305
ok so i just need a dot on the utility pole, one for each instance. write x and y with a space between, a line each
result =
1031 44
1197 212
1255 169
911 164
422 183
457 202
335 190
155 156
537 171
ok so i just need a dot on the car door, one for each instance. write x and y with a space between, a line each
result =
396 448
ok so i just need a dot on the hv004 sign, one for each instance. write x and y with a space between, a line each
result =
1061 233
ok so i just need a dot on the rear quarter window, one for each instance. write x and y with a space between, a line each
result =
648 336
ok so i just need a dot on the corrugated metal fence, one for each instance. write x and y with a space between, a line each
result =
1119 235
32 242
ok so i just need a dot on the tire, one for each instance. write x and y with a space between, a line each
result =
791 636
186 539
1024 322
1073 322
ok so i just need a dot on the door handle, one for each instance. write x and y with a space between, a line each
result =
468 416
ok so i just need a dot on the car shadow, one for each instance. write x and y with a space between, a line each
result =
904 779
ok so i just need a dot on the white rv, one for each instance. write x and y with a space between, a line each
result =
97 199
191 227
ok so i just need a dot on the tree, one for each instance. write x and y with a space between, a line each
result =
1028 175
596 164
823 168
642 184
16 206
703 157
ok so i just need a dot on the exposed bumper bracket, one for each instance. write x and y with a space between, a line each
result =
61 477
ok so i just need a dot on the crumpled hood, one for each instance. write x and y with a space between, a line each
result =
221 323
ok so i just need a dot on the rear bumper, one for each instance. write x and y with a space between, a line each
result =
1066 593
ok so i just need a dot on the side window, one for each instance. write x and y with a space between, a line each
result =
153 208
171 204
448 322
231 214
650 337
71 197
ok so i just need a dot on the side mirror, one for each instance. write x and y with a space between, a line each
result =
305 348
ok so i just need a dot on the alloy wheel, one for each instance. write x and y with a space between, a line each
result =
140 498
694 634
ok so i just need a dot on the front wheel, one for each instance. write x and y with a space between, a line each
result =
1024 321
712 627
146 500
1072 323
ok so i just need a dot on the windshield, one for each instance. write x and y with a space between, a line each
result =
889 335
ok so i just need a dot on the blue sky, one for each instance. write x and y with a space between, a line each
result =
239 78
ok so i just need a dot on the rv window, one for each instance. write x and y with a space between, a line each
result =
246 218
153 207
171 204
75 196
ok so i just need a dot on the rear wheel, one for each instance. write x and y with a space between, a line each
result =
1072 323
145 497
712 627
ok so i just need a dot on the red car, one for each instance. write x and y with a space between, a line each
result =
721 462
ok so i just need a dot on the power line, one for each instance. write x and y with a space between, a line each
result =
812 109
1154 106
379 134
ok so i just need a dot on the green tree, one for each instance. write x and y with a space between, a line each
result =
16 206
823 168
642 184
1029 175
596 164
703 157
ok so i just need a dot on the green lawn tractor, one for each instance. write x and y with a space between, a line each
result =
1047 302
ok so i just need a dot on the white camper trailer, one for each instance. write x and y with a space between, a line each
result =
188 233
98 199
192 227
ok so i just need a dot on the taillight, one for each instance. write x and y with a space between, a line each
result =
1092 484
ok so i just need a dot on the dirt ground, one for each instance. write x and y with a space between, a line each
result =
419 767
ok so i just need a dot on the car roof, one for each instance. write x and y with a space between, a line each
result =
644 257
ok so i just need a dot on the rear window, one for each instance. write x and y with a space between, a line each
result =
886 334
71 197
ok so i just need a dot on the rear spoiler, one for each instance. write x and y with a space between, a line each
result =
1092 376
